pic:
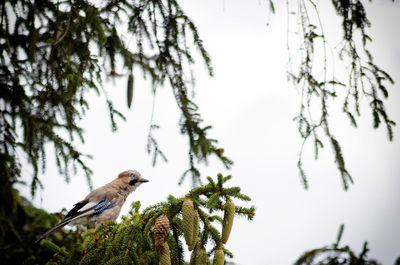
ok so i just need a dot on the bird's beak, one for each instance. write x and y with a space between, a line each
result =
143 180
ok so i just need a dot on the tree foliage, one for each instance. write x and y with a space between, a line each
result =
54 54
19 231
313 72
335 255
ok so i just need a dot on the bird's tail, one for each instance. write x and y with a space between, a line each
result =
64 223
60 225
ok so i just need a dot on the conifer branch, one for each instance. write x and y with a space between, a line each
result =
336 254
133 238
319 87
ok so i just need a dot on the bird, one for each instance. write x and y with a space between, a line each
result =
102 204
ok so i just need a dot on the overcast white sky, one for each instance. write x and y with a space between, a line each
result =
251 106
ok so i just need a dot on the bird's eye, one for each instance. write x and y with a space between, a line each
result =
132 175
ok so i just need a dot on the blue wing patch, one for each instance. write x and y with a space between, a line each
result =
104 205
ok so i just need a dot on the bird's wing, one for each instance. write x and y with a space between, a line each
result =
81 209
87 207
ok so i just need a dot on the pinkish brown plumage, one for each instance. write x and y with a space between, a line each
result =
102 204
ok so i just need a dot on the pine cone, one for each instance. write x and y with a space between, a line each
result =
228 220
130 90
165 258
161 227
219 257
193 257
195 232
187 220
199 256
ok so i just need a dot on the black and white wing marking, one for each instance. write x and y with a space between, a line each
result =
87 207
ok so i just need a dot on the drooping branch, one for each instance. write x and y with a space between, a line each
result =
312 72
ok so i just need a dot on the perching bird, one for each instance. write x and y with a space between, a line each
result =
102 204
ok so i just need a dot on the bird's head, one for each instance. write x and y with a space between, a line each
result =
132 178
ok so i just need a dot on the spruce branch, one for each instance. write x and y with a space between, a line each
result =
336 254
133 238
321 86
